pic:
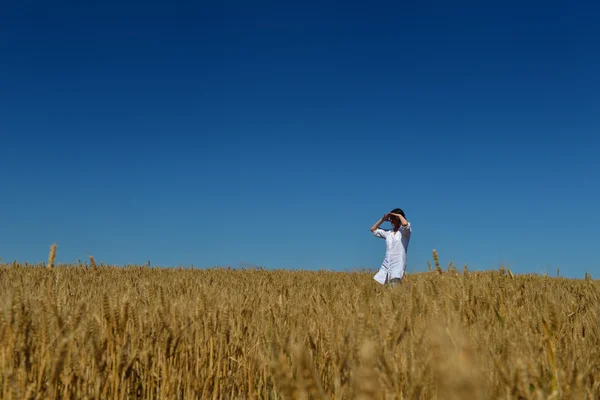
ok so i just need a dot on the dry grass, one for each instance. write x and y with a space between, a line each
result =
92 331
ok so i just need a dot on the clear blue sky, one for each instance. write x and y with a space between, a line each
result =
276 133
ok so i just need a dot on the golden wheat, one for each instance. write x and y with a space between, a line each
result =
141 332
52 256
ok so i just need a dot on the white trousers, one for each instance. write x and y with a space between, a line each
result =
385 273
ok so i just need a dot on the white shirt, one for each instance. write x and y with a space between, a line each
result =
396 247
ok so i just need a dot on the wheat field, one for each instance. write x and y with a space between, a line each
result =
90 331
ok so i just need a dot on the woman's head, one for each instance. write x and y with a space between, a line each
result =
395 220
398 211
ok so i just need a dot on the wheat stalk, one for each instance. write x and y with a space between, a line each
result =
52 256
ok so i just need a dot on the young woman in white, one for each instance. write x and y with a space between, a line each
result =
396 246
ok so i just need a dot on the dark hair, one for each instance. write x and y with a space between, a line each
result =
398 211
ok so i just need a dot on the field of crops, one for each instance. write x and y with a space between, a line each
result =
93 331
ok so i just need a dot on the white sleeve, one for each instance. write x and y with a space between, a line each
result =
380 233
406 230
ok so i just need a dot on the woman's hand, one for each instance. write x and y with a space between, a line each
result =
385 217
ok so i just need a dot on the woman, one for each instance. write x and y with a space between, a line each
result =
396 245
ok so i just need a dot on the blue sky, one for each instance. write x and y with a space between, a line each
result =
277 133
